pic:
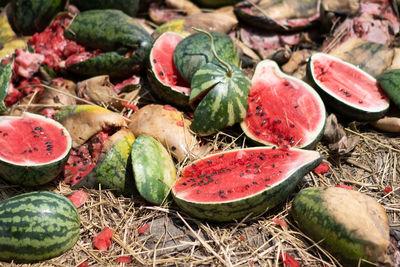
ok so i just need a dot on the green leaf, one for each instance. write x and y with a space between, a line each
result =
5 77
225 100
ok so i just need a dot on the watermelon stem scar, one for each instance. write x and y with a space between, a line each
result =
229 72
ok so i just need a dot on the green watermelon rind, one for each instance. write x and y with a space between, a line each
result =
116 33
5 78
162 91
316 222
114 170
37 226
129 7
38 174
153 169
320 132
225 103
194 51
390 83
255 205
337 104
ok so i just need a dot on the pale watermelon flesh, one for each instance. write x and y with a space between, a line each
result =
352 86
163 65
238 174
282 110
30 141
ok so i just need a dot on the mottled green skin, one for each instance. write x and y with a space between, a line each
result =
312 217
5 77
37 226
115 33
340 106
153 168
215 3
194 51
254 204
113 169
225 102
390 82
130 7
30 16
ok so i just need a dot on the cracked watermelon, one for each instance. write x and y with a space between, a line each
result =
165 80
231 185
347 89
283 110
33 149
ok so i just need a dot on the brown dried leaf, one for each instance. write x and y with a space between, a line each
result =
335 135
297 59
349 7
221 22
184 6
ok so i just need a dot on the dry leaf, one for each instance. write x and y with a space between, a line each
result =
335 135
98 89
184 6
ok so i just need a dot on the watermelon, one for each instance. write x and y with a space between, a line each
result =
283 110
222 90
125 43
165 80
130 7
28 17
231 185
5 80
389 81
112 170
195 51
153 169
33 149
350 225
347 89
37 226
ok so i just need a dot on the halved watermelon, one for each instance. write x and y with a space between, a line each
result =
230 185
283 110
349 90
165 80
33 149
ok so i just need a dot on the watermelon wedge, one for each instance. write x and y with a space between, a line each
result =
33 149
283 110
230 185
165 80
346 88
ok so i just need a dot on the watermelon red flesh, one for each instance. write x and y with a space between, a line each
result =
249 172
30 141
342 81
83 159
281 110
163 65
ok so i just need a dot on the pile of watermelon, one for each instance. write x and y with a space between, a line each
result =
72 113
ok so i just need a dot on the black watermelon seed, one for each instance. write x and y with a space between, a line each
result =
252 154
161 73
261 158
241 174
209 161
221 155
34 131
254 182
23 151
253 100
4 134
256 172
249 114
48 149
248 165
1 131
296 106
273 147
154 60
36 135
258 107
263 122
198 191
30 150
37 128
247 186
35 149
273 165
267 179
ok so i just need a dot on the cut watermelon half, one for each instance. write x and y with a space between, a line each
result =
349 90
33 149
283 110
230 185
165 80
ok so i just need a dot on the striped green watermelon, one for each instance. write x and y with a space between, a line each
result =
5 79
347 89
37 226
164 78
153 168
233 184
33 149
219 95
125 42
283 110
350 225
28 17
113 169
390 82
194 51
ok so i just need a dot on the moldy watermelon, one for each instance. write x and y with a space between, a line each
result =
230 185
33 149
